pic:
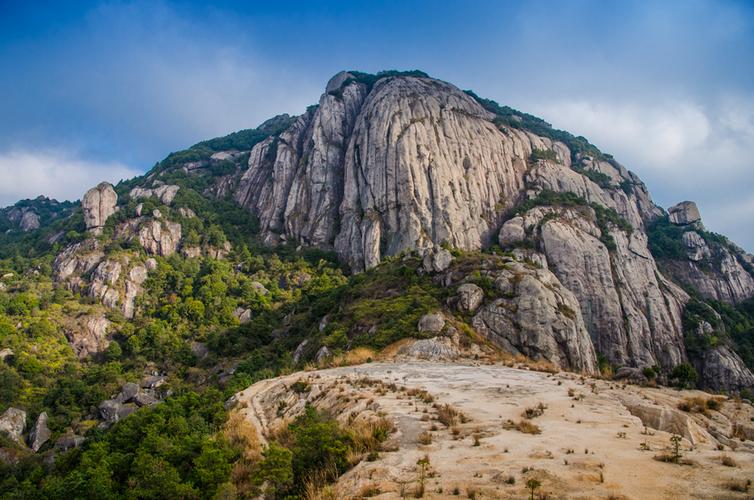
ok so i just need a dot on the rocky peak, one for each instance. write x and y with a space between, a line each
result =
98 204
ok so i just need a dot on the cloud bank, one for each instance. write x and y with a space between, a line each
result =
54 174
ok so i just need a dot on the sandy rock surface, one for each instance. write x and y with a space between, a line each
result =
590 446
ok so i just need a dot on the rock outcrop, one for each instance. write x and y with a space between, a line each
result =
163 192
12 423
408 165
40 433
632 313
89 336
98 204
716 268
535 315
684 213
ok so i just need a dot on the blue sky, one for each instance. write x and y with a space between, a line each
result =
103 90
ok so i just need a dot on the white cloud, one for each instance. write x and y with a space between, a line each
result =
57 174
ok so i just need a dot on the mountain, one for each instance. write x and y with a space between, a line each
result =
397 207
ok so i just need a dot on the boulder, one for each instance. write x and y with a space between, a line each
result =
431 323
243 315
127 392
69 441
153 382
633 375
109 410
13 423
684 213
145 399
98 204
665 419
470 297
437 260
721 369
40 433
5 353
512 232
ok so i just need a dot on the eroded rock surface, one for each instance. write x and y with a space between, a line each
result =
98 204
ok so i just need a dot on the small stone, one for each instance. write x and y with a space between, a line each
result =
145 399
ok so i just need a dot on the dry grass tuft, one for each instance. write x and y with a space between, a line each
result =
524 426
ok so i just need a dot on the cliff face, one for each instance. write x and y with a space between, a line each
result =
410 164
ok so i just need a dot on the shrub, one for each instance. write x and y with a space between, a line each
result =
684 375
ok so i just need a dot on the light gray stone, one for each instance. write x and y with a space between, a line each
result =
98 204
470 297
40 433
13 423
684 213
431 323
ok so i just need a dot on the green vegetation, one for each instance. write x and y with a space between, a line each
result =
169 450
543 154
313 451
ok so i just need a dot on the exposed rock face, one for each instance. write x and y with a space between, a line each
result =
697 247
714 268
29 221
414 163
160 237
12 423
165 193
632 313
684 213
723 369
538 317
98 204
90 336
434 349
40 434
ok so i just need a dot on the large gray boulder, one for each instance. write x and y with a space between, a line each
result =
12 423
470 297
98 204
436 260
684 213
40 433
431 323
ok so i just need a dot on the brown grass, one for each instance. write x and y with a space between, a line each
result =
368 434
357 356
425 438
524 426
728 461
449 416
